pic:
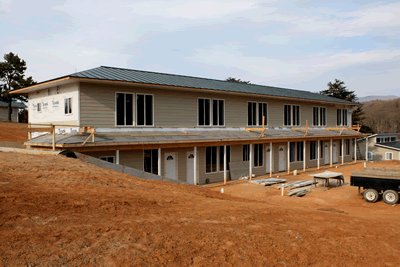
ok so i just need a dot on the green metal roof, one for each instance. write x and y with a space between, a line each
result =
147 77
14 104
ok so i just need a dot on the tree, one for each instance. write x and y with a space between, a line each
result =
339 90
12 76
234 80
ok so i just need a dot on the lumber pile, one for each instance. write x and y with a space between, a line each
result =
269 181
296 184
299 192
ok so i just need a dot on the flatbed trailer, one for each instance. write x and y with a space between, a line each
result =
376 182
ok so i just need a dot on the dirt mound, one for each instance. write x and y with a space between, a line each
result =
62 211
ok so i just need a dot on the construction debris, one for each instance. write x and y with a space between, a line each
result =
269 181
299 192
296 184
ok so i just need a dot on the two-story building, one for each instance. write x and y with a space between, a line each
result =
188 128
379 147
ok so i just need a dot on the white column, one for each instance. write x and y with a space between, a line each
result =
331 154
225 173
366 149
355 150
270 159
342 151
288 157
117 157
251 161
195 166
159 161
304 155
319 152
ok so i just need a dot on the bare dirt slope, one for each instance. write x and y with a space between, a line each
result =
11 131
58 211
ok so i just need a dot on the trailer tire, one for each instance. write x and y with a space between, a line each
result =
371 195
390 197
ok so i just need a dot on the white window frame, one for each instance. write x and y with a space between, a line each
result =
133 109
212 112
39 107
106 157
257 114
319 116
345 116
248 151
291 115
205 160
371 155
340 117
70 105
151 149
388 153
316 150
204 110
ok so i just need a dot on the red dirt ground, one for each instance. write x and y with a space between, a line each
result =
12 131
61 211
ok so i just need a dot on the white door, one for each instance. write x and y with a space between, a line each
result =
326 154
267 159
334 152
190 167
282 158
170 165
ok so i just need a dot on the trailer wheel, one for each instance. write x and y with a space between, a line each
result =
371 195
391 197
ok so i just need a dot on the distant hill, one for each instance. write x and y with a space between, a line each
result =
377 97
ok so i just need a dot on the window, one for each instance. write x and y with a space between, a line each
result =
339 117
203 112
340 148
68 105
370 156
347 147
246 152
378 140
392 139
256 112
144 104
345 122
218 112
300 151
108 159
221 157
258 155
291 115
151 161
321 150
315 116
124 109
389 155
322 116
292 151
211 159
39 107
313 150
319 116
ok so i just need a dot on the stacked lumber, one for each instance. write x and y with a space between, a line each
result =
299 192
269 181
296 184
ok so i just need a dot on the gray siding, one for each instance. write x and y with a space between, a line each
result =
4 114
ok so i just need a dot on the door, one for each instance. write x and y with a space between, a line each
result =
190 167
282 158
170 165
334 152
326 154
267 160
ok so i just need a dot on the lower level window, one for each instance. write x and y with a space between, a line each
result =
246 152
370 156
221 157
300 151
108 159
347 143
211 159
292 152
313 150
389 155
258 155
151 161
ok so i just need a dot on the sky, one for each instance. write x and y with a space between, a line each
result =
292 44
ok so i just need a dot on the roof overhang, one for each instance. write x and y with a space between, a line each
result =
388 147
69 79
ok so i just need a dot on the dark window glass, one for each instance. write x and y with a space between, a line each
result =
215 112
300 151
154 161
315 116
201 111
246 152
208 159
292 152
322 112
265 108
228 156
207 112
221 157
345 122
258 155
287 115
147 161
296 115
321 149
347 146
140 109
65 106
340 148
129 109
149 110
260 113
213 158
313 150
249 120
221 113
120 109
339 117
254 112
